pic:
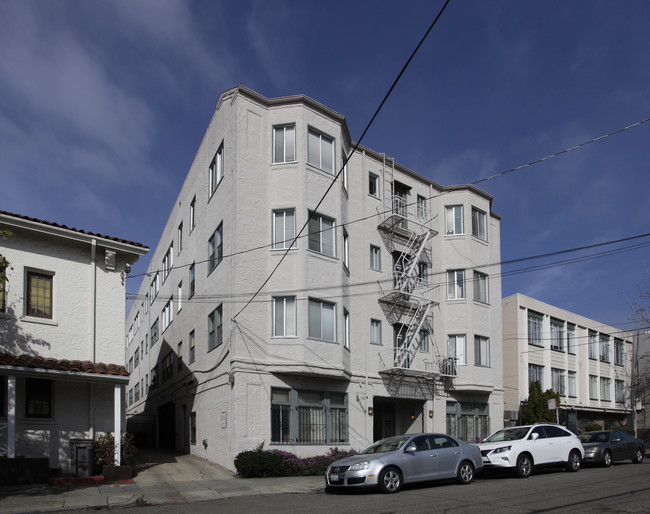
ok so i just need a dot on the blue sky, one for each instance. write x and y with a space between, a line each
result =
103 106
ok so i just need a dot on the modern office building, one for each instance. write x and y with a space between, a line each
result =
310 293
588 363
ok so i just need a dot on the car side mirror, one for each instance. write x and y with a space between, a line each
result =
616 440
534 436
410 449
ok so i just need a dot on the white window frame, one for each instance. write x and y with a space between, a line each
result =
180 238
557 335
179 296
318 233
216 169
375 258
454 222
479 224
571 338
456 284
288 151
215 328
215 248
375 331
284 235
373 185
620 393
481 287
482 351
619 352
605 389
593 345
535 324
572 384
593 387
346 329
192 214
317 146
558 381
536 373
423 340
167 314
346 250
284 306
457 348
317 321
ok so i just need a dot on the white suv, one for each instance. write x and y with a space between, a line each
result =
524 447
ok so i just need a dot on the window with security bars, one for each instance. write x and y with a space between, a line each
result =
467 421
308 417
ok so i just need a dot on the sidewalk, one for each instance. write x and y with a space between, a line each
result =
161 477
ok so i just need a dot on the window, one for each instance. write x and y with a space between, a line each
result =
456 284
481 291
216 170
284 316
215 248
573 385
422 211
619 352
454 219
373 185
375 331
320 151
180 237
593 345
136 358
215 328
605 385
308 417
479 224
536 374
179 296
192 280
167 315
322 320
619 391
284 229
322 234
39 295
346 250
168 262
136 391
190 344
131 396
346 329
424 341
3 290
604 348
193 428
154 332
481 351
130 365
375 258
557 335
344 176
593 387
535 328
146 382
38 398
284 143
154 287
557 381
179 356
468 421
167 366
457 348
192 214
571 338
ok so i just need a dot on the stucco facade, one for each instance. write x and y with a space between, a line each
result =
61 337
587 362
348 340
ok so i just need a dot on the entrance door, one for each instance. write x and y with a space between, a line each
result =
166 426
383 419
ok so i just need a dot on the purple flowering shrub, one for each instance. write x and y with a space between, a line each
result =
280 463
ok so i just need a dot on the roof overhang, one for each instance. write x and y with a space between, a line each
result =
56 374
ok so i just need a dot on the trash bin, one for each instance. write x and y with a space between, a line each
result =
82 455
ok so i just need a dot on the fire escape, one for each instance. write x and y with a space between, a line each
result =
407 228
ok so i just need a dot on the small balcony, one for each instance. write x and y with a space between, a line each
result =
418 365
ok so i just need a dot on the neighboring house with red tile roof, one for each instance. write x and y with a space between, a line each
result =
62 311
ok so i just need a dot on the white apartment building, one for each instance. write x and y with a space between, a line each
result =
589 364
62 311
383 317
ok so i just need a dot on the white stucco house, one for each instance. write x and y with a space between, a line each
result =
62 310
587 362
382 317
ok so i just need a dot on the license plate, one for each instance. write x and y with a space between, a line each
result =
334 478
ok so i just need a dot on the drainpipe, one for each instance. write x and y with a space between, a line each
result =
93 258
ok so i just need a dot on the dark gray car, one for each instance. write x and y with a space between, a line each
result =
606 446
394 461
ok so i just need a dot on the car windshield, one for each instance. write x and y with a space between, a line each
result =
594 437
387 445
508 434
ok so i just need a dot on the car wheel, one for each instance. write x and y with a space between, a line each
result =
638 456
465 473
607 459
573 464
524 466
390 480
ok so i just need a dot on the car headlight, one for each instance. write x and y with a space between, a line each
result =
359 466
502 449
591 451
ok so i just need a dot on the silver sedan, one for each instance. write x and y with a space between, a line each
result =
394 461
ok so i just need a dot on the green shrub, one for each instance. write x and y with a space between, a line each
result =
592 427
104 449
274 463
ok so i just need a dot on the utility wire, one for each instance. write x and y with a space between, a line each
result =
345 160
